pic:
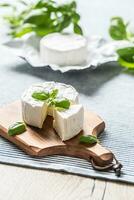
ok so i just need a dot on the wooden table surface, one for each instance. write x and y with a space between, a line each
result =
18 183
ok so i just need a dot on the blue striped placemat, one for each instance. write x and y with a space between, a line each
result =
10 154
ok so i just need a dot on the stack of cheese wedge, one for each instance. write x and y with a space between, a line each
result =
67 122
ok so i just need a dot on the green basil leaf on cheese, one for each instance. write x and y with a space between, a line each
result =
53 94
88 139
40 95
17 128
65 104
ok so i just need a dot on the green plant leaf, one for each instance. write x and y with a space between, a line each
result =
118 29
38 17
75 18
88 139
47 16
77 29
17 128
126 53
73 5
53 94
49 5
40 95
62 22
126 64
22 30
65 104
126 57
5 5
41 31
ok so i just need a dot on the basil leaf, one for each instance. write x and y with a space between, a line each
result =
53 94
126 64
73 5
126 57
42 17
77 29
5 5
62 23
118 29
38 17
19 32
17 128
41 31
88 139
127 54
65 104
75 18
40 95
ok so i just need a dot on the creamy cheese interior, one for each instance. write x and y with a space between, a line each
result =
69 123
63 49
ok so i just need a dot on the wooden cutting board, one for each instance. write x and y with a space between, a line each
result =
45 141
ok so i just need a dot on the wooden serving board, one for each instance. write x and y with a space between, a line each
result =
45 141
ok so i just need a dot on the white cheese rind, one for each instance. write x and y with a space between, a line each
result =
63 49
34 112
34 115
69 123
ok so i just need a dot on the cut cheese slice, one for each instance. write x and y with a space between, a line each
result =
33 112
63 49
69 123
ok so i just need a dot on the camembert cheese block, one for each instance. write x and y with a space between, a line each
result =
63 49
34 111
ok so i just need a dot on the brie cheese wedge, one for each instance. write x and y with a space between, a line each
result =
33 112
69 123
63 49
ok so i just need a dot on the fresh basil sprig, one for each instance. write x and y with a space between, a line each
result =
119 30
88 139
53 94
42 17
126 57
65 104
40 95
16 128
52 99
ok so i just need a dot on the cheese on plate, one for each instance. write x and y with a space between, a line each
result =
63 49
